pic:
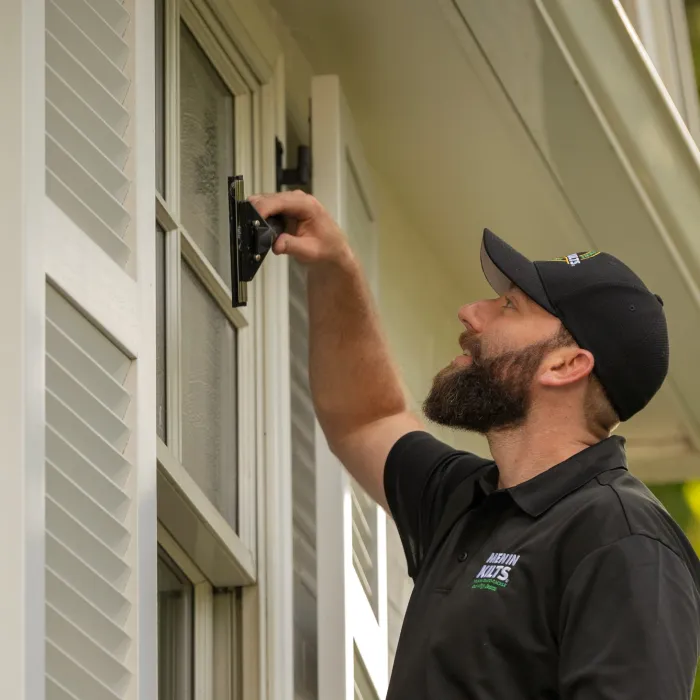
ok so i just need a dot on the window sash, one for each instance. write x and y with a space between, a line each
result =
180 247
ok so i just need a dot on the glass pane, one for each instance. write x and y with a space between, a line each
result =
209 416
160 96
175 632
206 156
161 377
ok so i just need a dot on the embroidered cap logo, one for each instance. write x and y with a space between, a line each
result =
577 258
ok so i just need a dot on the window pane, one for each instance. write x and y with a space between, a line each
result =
161 377
209 426
160 96
175 632
206 157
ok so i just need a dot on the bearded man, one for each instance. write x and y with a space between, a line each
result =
549 571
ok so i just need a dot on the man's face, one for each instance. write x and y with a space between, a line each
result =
489 387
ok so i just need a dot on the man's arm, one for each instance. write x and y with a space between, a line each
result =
629 625
356 389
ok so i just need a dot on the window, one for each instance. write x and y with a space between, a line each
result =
175 631
204 346
199 630
208 128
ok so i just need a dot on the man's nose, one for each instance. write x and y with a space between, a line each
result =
473 316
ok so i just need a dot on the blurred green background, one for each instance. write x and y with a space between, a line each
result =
683 502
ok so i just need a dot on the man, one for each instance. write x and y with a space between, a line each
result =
549 572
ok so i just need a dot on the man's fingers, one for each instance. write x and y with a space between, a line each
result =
303 249
280 245
296 204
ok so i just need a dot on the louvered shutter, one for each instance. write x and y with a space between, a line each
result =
364 688
87 504
87 117
364 541
303 491
100 451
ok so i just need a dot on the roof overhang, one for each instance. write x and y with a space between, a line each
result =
545 121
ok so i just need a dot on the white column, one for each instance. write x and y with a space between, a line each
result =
22 350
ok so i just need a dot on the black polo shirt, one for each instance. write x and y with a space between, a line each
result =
575 585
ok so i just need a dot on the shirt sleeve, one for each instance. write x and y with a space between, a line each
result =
420 474
629 625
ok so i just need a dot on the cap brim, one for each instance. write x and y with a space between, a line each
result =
503 267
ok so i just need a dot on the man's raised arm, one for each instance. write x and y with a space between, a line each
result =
356 388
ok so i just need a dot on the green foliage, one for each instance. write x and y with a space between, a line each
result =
675 498
692 8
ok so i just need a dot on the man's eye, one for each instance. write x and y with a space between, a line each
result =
509 304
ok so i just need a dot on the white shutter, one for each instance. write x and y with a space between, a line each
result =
304 491
100 429
364 688
87 504
351 531
87 118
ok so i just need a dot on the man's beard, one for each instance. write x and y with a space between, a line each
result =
490 394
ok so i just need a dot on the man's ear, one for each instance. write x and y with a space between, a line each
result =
566 366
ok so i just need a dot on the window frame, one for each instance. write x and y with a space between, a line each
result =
216 667
166 549
180 248
255 565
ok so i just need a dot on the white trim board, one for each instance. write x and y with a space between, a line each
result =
276 469
145 447
22 369
338 157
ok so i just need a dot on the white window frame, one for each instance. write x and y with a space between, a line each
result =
180 246
215 663
258 557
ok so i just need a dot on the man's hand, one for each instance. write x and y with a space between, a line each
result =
316 238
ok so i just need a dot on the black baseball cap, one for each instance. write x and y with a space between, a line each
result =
604 305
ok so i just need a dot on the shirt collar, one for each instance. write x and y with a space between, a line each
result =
540 493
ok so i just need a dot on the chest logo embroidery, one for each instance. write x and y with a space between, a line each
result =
495 573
